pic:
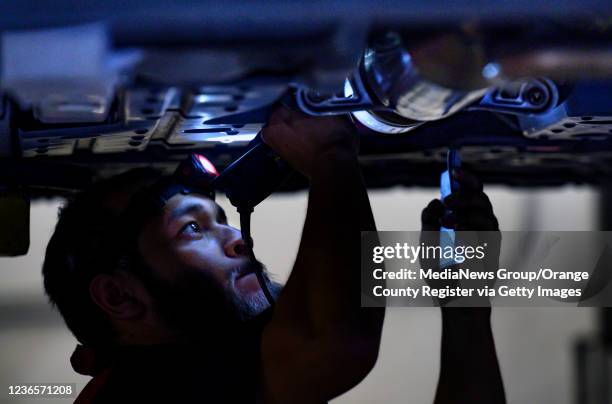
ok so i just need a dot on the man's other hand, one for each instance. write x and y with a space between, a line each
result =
470 212
468 209
469 369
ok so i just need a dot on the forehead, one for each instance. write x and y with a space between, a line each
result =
180 205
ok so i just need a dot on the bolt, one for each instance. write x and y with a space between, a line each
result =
316 97
536 96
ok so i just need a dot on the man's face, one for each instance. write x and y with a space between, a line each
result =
201 265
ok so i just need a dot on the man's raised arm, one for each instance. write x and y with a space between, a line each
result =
469 369
320 342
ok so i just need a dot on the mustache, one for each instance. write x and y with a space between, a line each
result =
253 266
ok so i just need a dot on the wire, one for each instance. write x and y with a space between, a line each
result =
245 229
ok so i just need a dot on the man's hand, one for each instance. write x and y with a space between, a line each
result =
469 209
301 139
470 212
319 334
469 370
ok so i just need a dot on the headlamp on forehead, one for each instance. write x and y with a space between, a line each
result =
194 175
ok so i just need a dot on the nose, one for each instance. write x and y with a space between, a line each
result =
235 246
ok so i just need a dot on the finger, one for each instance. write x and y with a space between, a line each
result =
463 199
467 180
267 133
448 221
430 217
276 135
344 122
264 130
474 220
280 114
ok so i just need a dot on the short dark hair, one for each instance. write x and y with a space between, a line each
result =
86 242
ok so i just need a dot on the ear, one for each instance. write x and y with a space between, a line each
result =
117 295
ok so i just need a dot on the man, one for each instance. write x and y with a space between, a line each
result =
174 312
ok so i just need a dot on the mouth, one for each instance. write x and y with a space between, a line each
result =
246 280
245 270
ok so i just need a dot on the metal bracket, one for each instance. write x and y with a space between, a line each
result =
314 103
519 97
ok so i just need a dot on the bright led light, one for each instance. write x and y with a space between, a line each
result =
208 166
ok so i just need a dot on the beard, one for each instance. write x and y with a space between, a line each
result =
196 305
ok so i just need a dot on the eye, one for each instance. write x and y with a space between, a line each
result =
191 228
